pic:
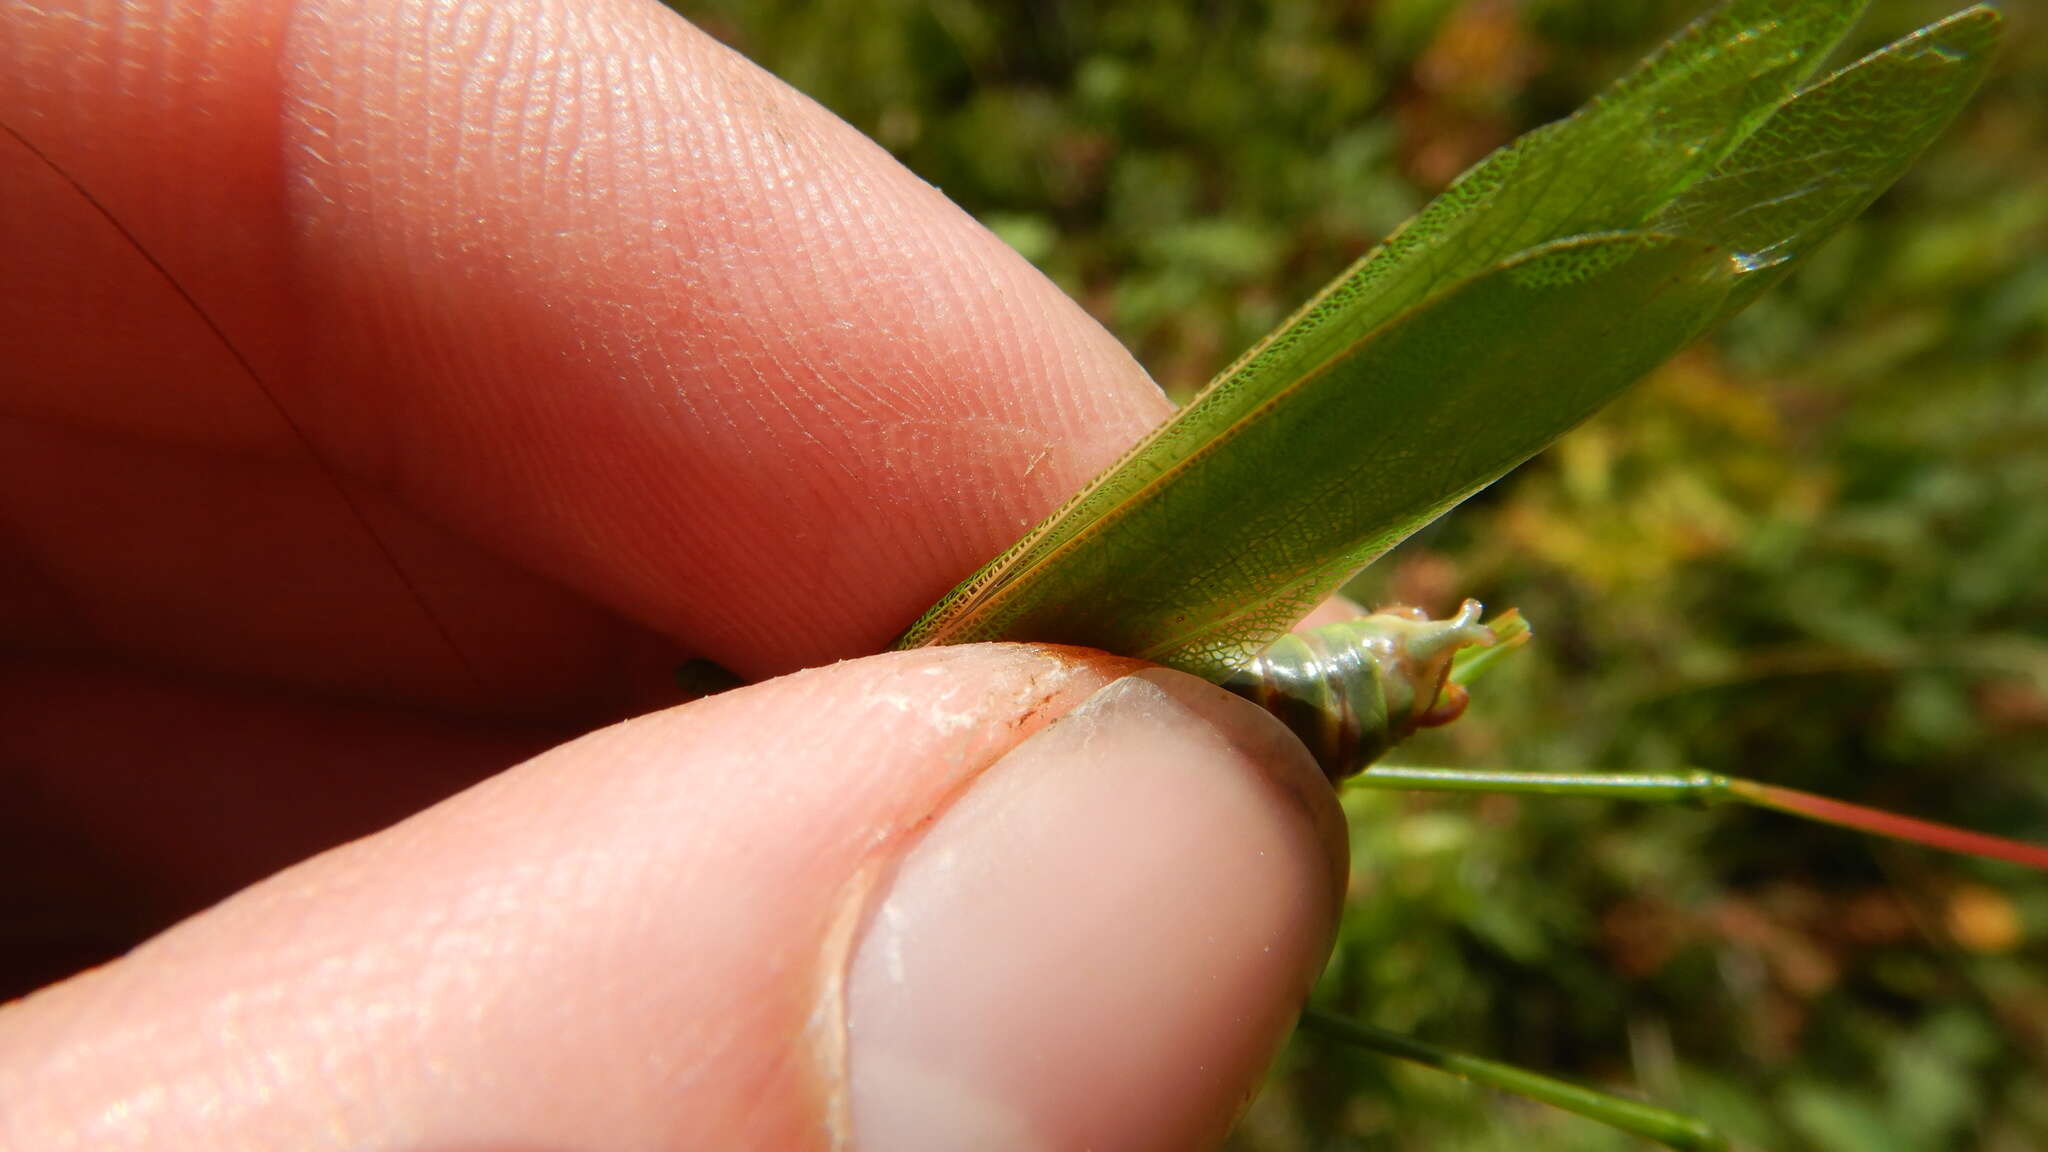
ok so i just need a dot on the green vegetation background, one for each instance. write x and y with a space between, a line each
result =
1810 551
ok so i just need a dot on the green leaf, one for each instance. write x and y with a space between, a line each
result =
1459 390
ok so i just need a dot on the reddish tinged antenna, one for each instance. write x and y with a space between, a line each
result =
1888 824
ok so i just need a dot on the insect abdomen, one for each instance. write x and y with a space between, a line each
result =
1354 689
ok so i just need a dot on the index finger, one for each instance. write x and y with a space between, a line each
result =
585 286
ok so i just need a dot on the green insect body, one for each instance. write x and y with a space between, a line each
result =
1353 689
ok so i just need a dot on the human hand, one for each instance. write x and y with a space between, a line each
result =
392 388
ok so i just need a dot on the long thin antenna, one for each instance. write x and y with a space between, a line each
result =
298 431
1706 788
1912 829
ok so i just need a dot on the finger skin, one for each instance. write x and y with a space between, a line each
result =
429 379
638 940
606 330
1104 942
479 357
1335 610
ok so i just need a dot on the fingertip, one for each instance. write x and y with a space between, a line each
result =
1105 940
646 302
631 933
566 281
1335 610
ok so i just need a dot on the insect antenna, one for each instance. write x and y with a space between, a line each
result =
1355 689
332 476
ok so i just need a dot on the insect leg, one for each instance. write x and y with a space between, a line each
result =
1671 1129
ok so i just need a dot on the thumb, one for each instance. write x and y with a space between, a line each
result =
991 897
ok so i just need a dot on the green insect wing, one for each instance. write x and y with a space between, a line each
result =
1225 547
1538 287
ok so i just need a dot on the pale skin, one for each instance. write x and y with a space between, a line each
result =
623 349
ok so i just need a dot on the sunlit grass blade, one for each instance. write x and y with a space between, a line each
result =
1223 549
1671 1129
1705 788
1833 148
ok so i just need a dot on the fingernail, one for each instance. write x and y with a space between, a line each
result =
1105 940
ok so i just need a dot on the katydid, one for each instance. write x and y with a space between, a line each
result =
1464 345
1542 283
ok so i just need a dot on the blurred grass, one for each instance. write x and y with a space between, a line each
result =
1809 551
